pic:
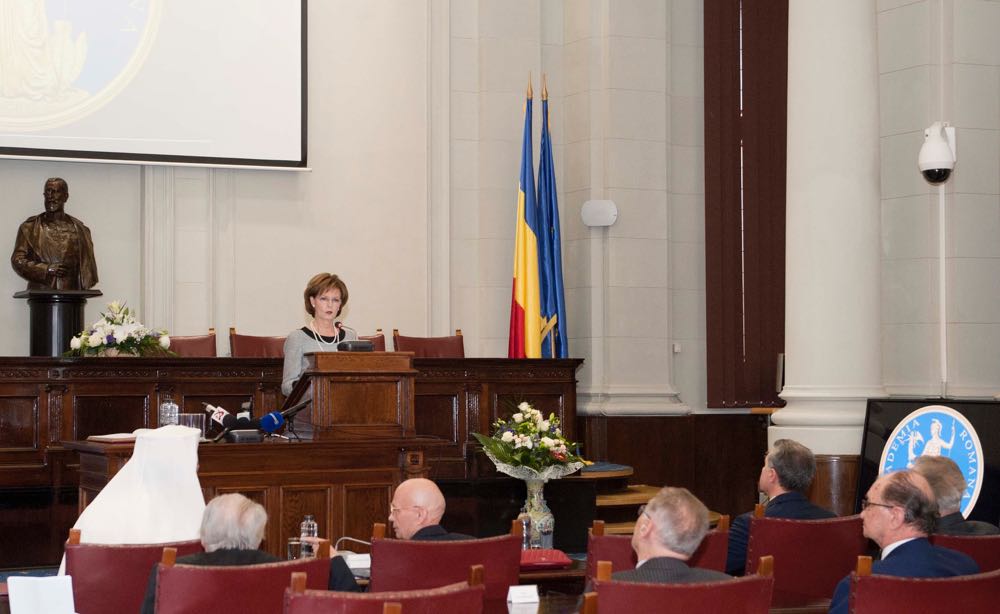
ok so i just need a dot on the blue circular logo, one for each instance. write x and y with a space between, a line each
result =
937 430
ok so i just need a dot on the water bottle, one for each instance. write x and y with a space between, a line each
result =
309 528
168 411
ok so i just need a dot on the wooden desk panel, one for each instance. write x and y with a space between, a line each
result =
347 487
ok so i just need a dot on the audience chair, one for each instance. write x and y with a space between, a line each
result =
747 595
113 577
430 347
811 556
711 554
465 597
878 594
237 589
403 565
378 340
984 549
252 346
194 346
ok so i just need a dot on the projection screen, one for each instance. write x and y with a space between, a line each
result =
160 81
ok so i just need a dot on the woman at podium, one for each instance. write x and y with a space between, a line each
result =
325 296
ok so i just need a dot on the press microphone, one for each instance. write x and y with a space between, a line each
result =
220 416
271 422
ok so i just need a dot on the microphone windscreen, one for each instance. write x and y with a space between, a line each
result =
271 422
218 415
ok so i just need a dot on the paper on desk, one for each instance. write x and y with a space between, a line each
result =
356 561
45 595
523 593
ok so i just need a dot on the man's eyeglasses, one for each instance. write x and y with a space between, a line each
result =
642 511
393 509
865 504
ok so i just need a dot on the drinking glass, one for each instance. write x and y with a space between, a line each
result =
196 421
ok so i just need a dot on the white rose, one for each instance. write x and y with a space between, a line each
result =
524 442
507 437
519 418
164 341
523 406
95 340
548 442
120 333
543 425
74 343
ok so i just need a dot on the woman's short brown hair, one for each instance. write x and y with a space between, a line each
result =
319 284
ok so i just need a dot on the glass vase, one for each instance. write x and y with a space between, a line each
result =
542 521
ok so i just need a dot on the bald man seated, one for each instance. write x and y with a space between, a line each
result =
416 510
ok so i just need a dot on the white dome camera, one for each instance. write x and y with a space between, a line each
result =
937 154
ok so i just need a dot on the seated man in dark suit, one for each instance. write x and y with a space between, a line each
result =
232 528
668 531
788 471
416 510
898 514
949 486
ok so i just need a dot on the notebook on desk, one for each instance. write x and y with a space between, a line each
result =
544 558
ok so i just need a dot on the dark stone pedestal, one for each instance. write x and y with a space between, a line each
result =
56 317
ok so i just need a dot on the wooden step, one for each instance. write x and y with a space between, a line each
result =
636 495
619 528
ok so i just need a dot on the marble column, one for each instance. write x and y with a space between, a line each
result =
832 318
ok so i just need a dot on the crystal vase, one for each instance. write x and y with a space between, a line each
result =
542 521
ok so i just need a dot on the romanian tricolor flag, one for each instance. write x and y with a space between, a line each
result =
525 339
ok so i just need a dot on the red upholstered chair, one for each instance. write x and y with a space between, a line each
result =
711 554
252 346
984 549
748 595
878 594
378 340
810 556
194 346
403 565
237 589
465 597
430 347
113 577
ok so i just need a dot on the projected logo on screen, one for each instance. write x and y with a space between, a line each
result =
61 60
937 430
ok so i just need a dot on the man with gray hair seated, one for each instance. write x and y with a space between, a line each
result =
668 531
949 486
232 529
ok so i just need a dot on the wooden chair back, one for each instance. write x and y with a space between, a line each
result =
749 594
984 549
711 554
430 347
402 565
378 340
113 577
249 589
195 346
466 596
811 556
252 346
877 594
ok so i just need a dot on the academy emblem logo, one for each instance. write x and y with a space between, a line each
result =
936 430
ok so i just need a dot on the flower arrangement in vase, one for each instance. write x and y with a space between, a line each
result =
531 447
118 333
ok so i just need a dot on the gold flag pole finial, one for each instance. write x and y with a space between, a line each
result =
530 94
545 88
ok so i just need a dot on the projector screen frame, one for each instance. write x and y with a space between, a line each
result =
110 157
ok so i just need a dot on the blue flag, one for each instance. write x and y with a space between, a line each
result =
552 296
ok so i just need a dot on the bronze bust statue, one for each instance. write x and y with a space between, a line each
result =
54 250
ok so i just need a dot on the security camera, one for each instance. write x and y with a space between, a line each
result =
937 154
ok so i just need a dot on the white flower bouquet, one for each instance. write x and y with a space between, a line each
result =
530 446
118 333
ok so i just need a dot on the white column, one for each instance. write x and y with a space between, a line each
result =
832 318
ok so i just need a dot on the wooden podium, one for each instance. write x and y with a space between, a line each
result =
358 395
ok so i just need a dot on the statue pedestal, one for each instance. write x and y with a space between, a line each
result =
56 317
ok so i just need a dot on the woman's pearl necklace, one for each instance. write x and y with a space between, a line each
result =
319 338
